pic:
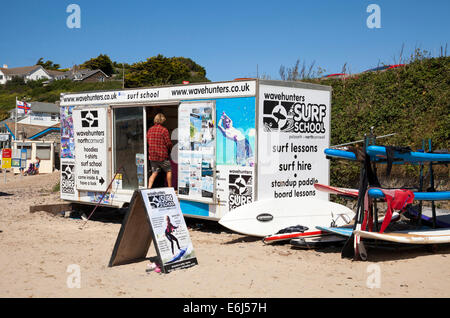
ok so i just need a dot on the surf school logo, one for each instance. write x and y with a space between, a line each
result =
294 117
68 178
89 118
161 201
240 190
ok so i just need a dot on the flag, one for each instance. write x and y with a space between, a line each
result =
23 107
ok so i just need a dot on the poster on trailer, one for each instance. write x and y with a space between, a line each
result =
196 151
293 131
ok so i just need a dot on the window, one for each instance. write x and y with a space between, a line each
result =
129 141
1 77
26 147
43 151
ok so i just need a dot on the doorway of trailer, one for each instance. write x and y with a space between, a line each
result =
130 149
171 123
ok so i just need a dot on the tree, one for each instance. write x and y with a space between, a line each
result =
102 62
161 70
48 65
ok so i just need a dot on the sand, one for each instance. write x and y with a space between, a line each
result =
40 254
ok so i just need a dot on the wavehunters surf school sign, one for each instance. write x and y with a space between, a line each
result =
293 132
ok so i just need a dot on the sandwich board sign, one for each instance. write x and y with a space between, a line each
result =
154 215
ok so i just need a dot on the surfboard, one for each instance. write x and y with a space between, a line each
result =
270 239
442 216
340 154
419 196
377 193
312 242
337 190
342 231
413 156
178 256
348 230
266 217
348 155
434 236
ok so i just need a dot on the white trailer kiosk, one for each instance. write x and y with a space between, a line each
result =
234 142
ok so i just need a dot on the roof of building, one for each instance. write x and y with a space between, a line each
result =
20 71
40 107
82 74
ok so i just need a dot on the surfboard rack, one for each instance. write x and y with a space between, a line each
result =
372 155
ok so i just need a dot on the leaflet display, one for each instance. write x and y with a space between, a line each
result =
196 151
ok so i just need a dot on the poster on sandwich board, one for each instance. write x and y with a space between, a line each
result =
154 215
170 233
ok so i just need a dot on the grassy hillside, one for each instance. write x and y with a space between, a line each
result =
412 101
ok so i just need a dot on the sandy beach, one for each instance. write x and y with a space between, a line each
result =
39 252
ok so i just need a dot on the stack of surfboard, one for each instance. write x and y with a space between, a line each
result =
307 222
423 235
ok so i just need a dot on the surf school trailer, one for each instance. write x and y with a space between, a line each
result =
233 143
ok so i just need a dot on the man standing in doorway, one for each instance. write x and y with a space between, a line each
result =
159 146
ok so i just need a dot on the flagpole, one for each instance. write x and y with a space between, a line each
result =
15 125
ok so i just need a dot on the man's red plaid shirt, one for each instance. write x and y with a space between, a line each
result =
159 143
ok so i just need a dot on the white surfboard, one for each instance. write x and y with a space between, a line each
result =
265 217
434 236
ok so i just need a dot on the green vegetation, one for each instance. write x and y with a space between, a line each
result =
102 62
48 65
160 70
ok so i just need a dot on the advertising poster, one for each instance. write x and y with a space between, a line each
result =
235 152
67 137
235 187
196 151
67 182
236 131
91 148
170 233
293 130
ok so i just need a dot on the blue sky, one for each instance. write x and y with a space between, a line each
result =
229 38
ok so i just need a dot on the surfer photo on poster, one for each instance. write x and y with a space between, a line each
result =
244 152
169 229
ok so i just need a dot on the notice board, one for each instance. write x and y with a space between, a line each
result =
91 148
154 215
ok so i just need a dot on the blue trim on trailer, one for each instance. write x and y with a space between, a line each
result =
194 208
